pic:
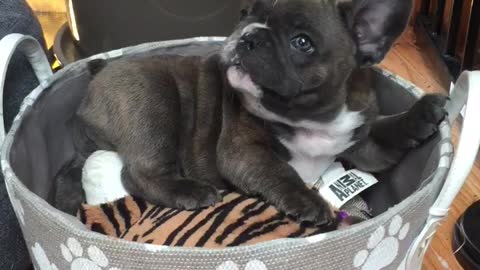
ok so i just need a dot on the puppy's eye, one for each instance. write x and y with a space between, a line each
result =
302 43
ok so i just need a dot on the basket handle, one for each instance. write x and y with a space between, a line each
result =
33 51
465 92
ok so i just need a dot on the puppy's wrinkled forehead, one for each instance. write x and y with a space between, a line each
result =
319 19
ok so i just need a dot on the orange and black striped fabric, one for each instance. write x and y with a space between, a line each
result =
236 221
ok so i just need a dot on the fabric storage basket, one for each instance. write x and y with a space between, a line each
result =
39 142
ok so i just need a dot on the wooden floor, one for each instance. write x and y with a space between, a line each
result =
407 60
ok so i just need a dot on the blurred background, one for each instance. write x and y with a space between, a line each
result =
447 31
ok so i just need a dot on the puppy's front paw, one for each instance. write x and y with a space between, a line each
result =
424 117
191 195
308 207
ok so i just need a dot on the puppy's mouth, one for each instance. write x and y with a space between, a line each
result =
240 79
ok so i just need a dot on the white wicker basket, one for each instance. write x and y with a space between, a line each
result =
33 150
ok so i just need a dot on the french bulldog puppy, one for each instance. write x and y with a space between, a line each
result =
288 94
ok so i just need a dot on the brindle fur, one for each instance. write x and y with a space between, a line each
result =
183 133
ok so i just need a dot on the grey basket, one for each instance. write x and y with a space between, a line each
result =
39 143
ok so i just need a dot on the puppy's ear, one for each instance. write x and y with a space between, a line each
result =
375 25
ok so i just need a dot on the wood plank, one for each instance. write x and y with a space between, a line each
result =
452 23
446 25
417 10
473 33
476 62
463 29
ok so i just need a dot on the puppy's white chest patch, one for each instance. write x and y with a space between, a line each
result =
314 145
313 149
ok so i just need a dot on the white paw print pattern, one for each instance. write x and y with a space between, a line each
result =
94 259
251 265
41 259
382 248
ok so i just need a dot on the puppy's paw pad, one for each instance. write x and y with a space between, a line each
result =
434 108
308 207
431 108
196 195
425 116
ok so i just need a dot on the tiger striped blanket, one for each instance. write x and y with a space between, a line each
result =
238 220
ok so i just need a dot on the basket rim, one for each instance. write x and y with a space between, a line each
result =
41 205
